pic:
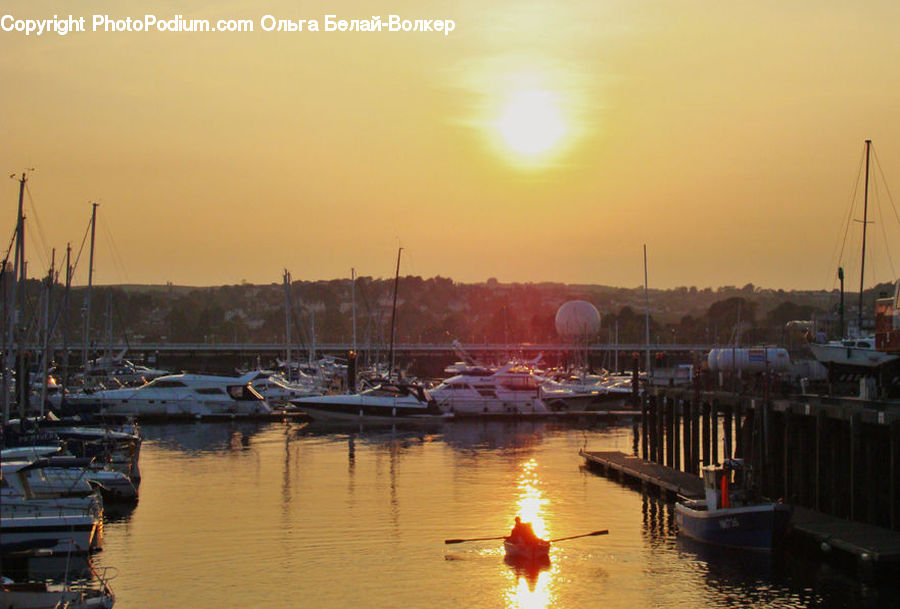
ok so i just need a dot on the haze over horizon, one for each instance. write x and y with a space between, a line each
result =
537 142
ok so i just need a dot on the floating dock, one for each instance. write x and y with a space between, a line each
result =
646 473
870 552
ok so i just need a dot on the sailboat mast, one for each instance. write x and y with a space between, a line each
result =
45 347
862 268
647 314
87 304
14 313
65 374
287 322
353 301
393 316
22 370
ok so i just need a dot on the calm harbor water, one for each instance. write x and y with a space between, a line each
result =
290 515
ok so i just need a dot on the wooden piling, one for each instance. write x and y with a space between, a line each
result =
686 436
706 447
670 432
645 428
854 462
676 432
894 476
660 430
714 429
727 430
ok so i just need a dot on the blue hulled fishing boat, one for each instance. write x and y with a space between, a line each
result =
730 515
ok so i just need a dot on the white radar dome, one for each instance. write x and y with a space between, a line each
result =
577 319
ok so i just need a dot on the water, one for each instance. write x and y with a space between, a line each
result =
287 515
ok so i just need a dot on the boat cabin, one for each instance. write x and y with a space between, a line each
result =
725 485
887 322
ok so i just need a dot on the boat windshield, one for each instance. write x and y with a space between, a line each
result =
244 393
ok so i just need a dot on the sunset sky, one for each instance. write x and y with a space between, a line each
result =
539 141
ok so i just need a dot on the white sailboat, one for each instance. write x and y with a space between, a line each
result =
855 353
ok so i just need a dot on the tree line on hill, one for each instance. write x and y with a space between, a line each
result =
436 310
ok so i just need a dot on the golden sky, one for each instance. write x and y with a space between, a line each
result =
539 141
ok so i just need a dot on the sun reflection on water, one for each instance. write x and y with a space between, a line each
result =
531 502
531 584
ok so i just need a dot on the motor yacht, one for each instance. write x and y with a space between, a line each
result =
383 402
511 389
179 396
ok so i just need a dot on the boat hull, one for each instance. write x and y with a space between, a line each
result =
850 357
62 533
756 527
342 408
527 551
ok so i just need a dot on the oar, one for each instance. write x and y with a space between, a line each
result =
603 532
449 541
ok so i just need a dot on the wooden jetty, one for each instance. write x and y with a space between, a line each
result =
645 473
869 551
837 461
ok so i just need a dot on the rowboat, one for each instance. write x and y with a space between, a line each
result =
527 551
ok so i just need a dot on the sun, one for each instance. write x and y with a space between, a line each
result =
531 123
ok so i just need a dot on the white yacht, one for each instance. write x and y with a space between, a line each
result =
383 402
55 466
37 505
854 352
512 389
180 395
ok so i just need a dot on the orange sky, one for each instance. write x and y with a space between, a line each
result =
727 136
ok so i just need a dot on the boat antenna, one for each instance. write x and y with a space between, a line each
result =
393 316
862 268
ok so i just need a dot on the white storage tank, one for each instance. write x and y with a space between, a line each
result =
749 359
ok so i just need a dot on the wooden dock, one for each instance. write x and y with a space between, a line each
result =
663 478
872 553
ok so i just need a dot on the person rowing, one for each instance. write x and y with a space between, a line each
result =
522 533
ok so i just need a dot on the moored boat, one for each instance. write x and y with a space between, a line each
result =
728 516
384 402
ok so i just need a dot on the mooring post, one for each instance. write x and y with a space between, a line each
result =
645 427
714 428
834 434
705 423
660 430
670 431
728 431
786 463
819 466
854 462
686 434
695 436
869 482
894 476
676 437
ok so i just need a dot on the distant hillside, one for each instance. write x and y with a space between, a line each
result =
436 310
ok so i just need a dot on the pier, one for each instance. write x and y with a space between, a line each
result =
836 460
